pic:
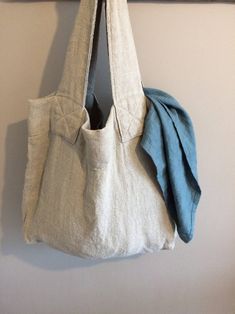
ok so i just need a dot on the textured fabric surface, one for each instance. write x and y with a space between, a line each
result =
92 192
169 140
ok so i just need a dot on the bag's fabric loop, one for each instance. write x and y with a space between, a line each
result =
66 124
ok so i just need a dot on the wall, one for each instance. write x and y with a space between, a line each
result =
185 49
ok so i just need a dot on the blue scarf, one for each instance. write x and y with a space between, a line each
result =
169 140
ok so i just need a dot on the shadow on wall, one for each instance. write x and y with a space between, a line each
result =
39 255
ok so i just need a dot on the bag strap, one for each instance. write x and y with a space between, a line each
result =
74 81
127 89
91 77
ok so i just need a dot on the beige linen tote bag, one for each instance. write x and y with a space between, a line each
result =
91 191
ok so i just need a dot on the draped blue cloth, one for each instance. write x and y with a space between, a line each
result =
169 140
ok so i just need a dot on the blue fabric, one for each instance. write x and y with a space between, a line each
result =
169 140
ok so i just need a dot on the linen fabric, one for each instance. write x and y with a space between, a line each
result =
91 191
169 140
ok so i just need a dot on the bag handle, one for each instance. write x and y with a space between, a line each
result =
74 79
124 68
94 54
127 90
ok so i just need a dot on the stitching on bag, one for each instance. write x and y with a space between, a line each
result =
129 125
131 114
65 115
68 97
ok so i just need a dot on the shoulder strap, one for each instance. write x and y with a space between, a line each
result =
127 90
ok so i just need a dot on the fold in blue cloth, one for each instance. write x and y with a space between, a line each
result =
169 140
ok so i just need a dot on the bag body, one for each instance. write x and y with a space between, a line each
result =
92 192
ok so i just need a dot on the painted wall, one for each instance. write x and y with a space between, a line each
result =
185 49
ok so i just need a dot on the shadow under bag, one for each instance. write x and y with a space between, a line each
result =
90 190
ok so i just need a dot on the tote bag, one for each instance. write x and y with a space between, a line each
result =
90 189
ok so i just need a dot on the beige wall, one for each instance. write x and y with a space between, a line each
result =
185 49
